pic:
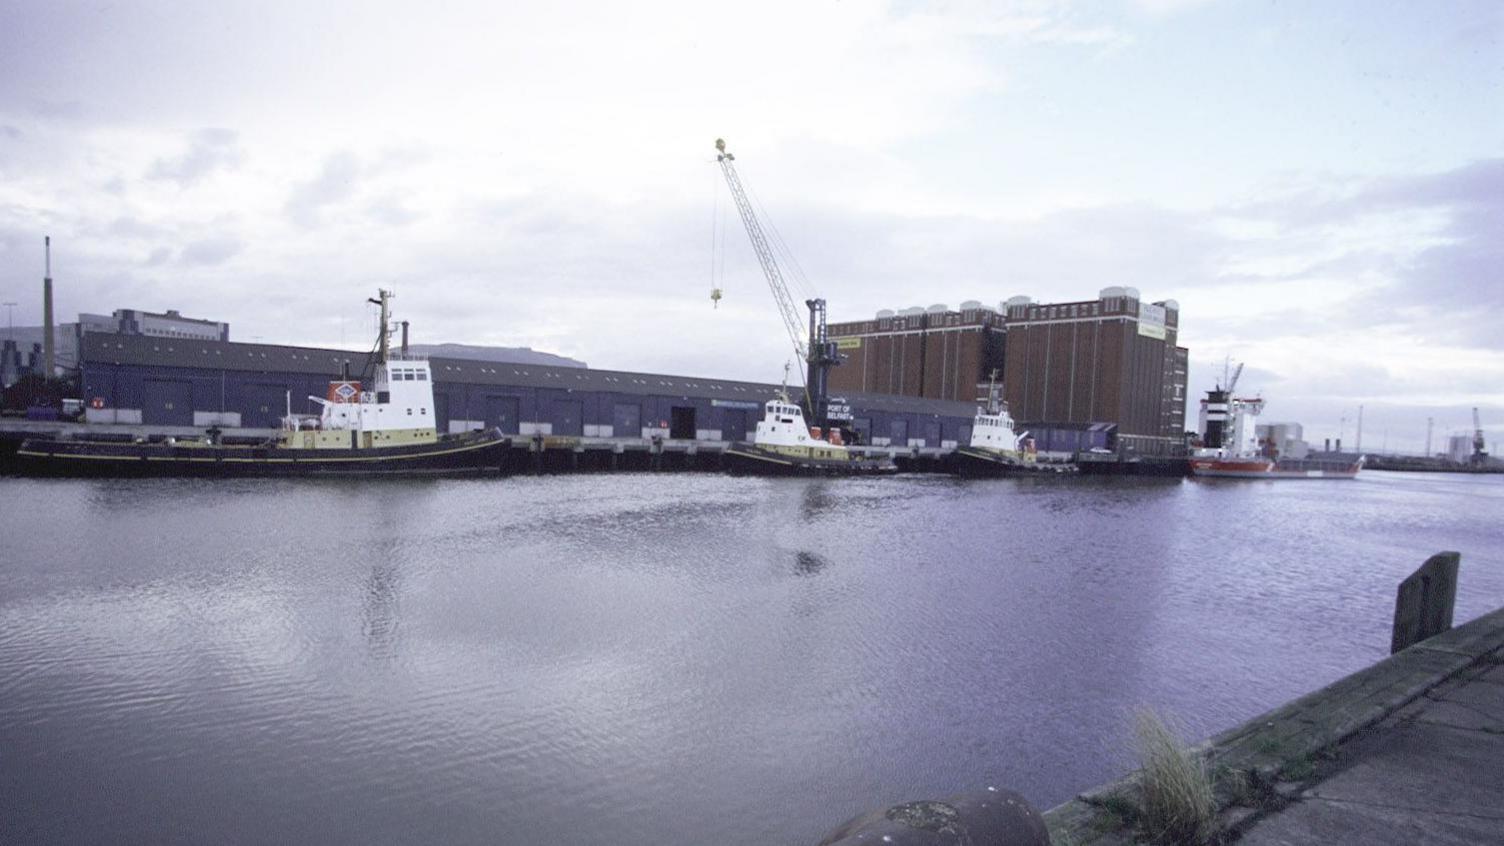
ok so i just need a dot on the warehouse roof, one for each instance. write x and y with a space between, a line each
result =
146 351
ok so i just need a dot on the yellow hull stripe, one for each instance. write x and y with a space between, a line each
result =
319 460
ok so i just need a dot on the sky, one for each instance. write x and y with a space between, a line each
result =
1320 185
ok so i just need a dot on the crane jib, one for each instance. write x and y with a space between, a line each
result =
819 352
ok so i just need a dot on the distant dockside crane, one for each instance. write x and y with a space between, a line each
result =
816 349
1480 454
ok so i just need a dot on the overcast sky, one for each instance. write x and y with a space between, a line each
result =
1320 185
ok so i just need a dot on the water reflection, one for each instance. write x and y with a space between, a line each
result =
816 500
606 652
380 612
808 563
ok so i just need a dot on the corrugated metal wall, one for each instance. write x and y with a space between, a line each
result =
171 395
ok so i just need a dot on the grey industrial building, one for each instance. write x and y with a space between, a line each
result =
178 381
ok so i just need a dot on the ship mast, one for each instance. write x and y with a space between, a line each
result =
383 342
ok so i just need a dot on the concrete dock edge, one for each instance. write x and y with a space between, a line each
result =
1261 748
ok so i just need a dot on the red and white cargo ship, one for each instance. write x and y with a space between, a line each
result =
1229 427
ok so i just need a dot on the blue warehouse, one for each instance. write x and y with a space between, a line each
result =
140 379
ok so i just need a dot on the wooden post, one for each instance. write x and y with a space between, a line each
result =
1423 606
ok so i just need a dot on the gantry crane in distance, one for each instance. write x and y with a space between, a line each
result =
819 351
1479 453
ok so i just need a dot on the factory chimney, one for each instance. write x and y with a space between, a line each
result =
404 337
48 353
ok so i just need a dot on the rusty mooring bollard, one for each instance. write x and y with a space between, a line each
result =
1423 606
990 817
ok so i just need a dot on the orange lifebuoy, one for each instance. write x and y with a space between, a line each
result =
97 402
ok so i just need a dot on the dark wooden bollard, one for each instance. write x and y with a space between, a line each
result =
988 817
1423 607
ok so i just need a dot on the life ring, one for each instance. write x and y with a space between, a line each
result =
97 402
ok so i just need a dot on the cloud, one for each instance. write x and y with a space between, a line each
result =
1168 7
136 228
208 150
211 251
390 210
334 184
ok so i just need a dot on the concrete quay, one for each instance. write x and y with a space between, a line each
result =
529 453
1410 750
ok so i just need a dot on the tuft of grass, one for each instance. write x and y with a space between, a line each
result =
1298 768
1178 805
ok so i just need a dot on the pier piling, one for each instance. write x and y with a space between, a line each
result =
1424 603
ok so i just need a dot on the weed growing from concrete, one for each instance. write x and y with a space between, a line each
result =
1298 768
1178 803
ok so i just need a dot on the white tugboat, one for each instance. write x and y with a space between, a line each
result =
785 445
994 448
391 430
1231 449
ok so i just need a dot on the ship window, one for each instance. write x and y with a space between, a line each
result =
423 375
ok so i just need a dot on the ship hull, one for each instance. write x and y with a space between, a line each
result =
969 461
752 460
1268 469
472 453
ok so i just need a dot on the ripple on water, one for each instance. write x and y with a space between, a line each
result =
646 659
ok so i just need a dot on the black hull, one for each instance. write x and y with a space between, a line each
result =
749 460
977 463
469 454
1164 467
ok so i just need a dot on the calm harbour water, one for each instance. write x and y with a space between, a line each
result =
640 659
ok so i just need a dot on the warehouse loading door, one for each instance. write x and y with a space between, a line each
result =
733 425
863 428
898 430
682 423
502 413
567 417
626 420
932 433
169 402
265 405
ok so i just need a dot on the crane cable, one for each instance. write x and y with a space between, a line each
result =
715 224
776 243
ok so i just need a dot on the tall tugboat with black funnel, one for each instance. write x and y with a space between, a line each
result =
388 431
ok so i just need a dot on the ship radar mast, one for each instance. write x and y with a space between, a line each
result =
383 341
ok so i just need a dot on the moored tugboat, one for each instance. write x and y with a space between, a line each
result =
784 446
994 449
388 431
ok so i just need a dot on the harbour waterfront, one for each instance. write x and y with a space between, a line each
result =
661 659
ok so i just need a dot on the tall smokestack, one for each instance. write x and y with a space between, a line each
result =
404 337
48 354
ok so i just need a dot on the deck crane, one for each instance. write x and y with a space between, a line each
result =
1233 382
818 351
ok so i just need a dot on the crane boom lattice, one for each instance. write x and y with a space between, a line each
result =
792 323
816 349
